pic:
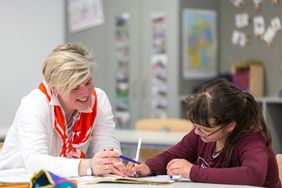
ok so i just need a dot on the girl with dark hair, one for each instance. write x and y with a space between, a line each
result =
230 143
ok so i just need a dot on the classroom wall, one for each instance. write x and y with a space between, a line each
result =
95 39
100 39
227 53
271 57
30 29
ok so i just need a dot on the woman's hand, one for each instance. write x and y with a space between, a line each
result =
138 170
119 169
179 167
107 162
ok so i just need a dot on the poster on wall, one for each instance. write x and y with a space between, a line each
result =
159 101
199 44
84 14
122 110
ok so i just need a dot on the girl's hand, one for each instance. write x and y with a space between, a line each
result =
179 167
138 170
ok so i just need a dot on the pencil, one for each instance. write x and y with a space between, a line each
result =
138 149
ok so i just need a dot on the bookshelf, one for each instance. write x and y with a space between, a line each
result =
249 76
272 108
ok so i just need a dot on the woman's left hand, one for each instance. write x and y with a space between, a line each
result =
119 168
179 167
107 162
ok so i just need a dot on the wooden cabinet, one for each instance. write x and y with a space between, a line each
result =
249 76
140 44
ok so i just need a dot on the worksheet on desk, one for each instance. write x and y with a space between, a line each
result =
161 179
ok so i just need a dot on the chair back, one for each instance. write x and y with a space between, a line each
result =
166 125
279 162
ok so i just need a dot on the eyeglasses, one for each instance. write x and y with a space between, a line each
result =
203 132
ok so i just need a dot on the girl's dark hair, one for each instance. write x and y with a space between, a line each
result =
223 101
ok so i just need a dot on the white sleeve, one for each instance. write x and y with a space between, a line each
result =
104 125
37 143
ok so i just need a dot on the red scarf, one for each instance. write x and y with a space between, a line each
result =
80 132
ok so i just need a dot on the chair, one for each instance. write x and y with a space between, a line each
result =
279 162
164 125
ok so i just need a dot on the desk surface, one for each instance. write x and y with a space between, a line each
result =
173 185
20 175
149 137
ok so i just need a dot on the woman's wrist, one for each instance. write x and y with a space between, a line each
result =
82 167
89 170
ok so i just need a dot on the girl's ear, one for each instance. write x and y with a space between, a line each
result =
231 126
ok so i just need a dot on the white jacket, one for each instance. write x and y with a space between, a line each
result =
32 143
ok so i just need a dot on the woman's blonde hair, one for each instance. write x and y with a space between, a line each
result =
68 66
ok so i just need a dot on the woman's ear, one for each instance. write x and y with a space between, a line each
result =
231 126
54 91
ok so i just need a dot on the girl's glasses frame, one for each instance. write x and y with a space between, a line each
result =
199 128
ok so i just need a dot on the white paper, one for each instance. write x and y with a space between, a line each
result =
242 20
259 27
269 35
237 3
257 4
160 179
239 38
276 24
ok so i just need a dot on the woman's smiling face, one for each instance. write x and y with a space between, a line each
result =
79 98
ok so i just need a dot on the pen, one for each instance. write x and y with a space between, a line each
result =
128 159
175 177
138 149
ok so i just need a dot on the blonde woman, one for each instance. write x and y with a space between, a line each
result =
55 123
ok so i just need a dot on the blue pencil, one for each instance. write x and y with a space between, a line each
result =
128 159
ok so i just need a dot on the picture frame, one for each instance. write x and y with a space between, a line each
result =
199 43
84 14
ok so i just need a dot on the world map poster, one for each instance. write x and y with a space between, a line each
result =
199 44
